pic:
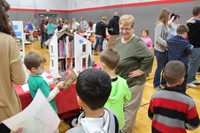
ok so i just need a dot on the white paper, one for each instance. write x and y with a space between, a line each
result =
25 87
38 117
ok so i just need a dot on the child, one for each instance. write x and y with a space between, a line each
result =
179 49
173 24
171 110
50 29
93 88
146 39
34 62
66 25
120 93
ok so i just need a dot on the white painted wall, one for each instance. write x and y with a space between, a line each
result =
81 4
40 4
68 4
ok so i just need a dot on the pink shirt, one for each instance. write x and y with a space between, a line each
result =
148 42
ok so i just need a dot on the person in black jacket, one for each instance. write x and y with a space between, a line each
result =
100 33
194 39
113 29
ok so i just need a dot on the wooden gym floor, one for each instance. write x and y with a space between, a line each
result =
143 123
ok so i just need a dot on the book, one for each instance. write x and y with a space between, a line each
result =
68 78
63 76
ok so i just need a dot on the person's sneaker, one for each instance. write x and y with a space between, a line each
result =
191 85
93 52
196 82
197 73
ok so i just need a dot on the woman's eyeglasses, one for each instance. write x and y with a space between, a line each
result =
125 29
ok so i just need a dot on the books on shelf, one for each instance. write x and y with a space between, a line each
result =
68 51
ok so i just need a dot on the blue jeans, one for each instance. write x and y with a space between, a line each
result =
99 40
194 63
161 58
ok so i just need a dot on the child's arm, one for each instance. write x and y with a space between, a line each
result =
52 80
150 110
188 49
192 118
191 20
127 97
150 44
55 91
170 21
49 81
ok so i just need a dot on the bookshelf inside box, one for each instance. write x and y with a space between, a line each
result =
68 50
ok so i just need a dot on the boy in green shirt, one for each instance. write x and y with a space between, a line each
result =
120 93
34 62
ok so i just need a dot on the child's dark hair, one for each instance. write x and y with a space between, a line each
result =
182 29
93 87
175 16
146 30
33 59
174 71
110 57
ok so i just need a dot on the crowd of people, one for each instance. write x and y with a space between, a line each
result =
111 97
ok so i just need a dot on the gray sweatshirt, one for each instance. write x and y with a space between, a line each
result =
107 124
161 34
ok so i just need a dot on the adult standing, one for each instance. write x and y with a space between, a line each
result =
75 25
83 25
43 29
160 45
135 61
11 67
30 27
113 29
194 39
100 32
59 23
50 29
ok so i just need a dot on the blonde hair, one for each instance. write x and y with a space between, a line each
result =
164 16
104 18
182 29
127 20
110 57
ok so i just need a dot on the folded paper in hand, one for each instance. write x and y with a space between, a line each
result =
38 117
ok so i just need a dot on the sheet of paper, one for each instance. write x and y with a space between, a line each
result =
25 87
38 117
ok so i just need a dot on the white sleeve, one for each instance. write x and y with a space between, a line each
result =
49 81
53 93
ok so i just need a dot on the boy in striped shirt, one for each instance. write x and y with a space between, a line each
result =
171 110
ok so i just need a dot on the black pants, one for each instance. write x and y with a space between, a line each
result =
184 84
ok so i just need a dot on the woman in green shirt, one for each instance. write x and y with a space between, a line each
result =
135 61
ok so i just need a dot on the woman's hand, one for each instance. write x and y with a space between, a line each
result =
135 73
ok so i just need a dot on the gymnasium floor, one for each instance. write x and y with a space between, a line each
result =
143 123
